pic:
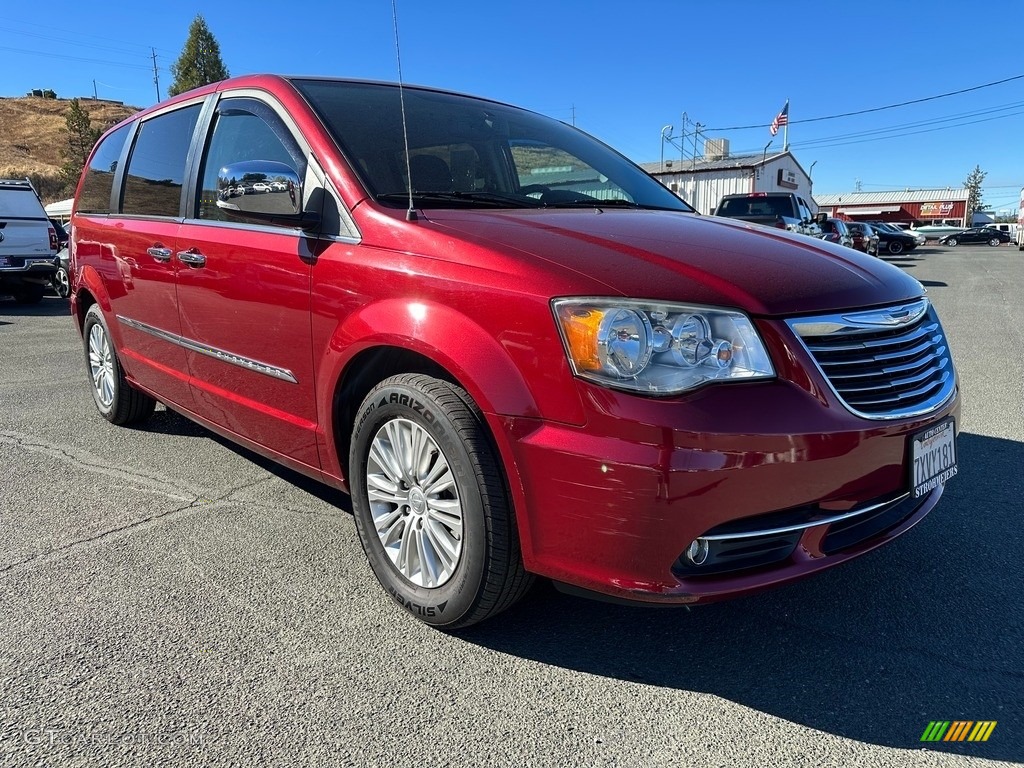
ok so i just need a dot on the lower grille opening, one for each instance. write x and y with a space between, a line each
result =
857 530
738 554
765 540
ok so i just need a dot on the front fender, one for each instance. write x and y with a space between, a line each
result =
473 357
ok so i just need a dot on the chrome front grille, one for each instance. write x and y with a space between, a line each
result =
882 363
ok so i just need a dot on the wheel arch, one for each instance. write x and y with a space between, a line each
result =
449 346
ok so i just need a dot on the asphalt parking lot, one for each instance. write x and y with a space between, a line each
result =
167 599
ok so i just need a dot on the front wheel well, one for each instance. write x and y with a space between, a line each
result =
365 371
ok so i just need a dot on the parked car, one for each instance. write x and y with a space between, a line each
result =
568 374
977 235
864 237
835 231
28 242
1009 228
781 210
62 235
898 228
893 240
935 231
61 280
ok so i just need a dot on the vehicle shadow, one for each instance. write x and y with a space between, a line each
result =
168 422
930 627
50 306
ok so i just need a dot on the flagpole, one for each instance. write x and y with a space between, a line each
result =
785 135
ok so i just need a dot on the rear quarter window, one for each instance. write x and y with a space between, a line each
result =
94 196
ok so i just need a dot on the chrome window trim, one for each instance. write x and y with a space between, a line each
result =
804 526
224 356
313 164
848 324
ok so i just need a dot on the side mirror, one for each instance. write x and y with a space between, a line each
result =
263 192
820 217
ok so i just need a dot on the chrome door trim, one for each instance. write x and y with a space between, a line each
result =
205 349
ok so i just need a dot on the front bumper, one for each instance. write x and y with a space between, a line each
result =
785 482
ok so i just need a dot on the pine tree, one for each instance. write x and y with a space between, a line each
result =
81 138
973 186
200 62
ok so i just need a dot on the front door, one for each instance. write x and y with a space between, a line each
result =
244 297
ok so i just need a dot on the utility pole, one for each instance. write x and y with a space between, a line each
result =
156 75
94 95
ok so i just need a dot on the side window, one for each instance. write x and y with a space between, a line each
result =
99 176
246 129
156 168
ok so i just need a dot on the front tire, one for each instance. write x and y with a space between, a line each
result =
994 241
952 242
430 503
895 247
116 400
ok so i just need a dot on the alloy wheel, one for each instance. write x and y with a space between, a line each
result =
101 365
415 503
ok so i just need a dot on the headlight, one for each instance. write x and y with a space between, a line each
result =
658 348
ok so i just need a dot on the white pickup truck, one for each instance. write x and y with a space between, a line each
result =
28 242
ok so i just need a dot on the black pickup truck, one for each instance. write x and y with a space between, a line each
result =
783 210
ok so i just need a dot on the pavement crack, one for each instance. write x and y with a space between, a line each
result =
103 536
98 466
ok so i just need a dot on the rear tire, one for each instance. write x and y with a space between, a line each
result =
994 241
430 503
116 400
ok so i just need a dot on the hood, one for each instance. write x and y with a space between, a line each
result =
672 256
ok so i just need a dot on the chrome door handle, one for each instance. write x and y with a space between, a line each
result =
160 254
192 258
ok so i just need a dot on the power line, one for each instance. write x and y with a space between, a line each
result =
51 55
76 37
864 137
878 109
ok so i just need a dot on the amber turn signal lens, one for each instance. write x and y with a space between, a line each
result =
581 326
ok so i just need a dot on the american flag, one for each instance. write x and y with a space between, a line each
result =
780 119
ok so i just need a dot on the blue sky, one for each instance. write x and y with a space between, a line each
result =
620 70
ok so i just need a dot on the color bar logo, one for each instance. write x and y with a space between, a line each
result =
958 730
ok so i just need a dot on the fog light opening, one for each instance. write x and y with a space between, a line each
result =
697 552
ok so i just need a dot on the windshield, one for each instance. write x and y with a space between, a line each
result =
468 152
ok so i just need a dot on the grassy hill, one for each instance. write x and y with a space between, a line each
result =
33 136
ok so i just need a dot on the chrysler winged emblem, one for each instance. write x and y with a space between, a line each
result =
890 317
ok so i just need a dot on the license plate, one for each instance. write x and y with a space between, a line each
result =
4 261
932 457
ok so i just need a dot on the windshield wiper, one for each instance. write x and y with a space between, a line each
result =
488 198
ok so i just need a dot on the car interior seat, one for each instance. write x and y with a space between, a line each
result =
430 174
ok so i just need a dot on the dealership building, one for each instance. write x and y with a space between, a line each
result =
703 181
912 206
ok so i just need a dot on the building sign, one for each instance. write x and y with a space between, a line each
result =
787 179
936 210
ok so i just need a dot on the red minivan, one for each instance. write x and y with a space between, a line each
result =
519 353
